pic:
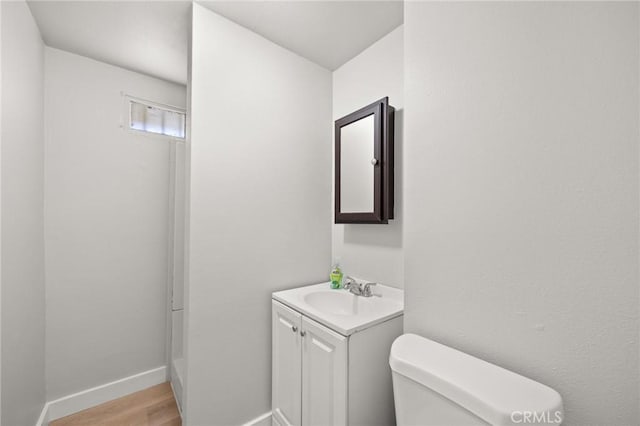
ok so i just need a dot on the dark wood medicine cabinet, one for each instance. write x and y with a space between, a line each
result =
364 165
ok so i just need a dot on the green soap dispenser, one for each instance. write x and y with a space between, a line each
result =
336 276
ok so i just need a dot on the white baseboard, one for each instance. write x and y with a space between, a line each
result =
175 396
263 420
43 420
100 394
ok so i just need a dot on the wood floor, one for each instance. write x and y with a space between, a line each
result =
154 406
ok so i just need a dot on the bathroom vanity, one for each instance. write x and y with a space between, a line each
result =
331 355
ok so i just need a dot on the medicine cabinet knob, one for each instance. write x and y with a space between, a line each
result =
294 328
303 333
374 161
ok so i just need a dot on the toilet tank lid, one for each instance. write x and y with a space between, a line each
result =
496 395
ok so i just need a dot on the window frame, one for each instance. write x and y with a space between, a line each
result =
126 119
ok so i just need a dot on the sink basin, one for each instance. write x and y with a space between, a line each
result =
341 310
335 302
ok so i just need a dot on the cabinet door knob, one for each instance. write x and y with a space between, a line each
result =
374 161
294 328
303 333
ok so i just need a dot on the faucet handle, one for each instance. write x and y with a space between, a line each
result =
348 282
366 290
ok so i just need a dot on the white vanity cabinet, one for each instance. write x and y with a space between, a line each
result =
324 378
324 375
286 384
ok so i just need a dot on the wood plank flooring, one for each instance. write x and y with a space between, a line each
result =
154 406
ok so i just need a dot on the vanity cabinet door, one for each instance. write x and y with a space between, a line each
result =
324 375
286 365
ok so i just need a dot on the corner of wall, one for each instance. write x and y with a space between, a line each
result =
373 252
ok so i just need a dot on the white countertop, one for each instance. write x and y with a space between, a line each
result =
342 311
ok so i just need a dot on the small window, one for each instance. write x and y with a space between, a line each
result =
156 119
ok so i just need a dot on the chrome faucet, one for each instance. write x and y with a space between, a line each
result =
357 288
351 285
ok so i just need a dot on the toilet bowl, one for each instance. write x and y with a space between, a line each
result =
435 385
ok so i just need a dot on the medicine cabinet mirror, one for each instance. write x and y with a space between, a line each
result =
364 165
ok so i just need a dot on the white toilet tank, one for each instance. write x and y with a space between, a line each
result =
435 385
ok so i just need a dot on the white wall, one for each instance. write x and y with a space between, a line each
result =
23 312
179 187
0 217
107 204
260 208
373 252
521 192
176 267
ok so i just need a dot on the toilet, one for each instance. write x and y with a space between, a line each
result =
435 385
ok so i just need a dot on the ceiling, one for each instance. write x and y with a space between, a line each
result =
328 33
148 37
151 37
